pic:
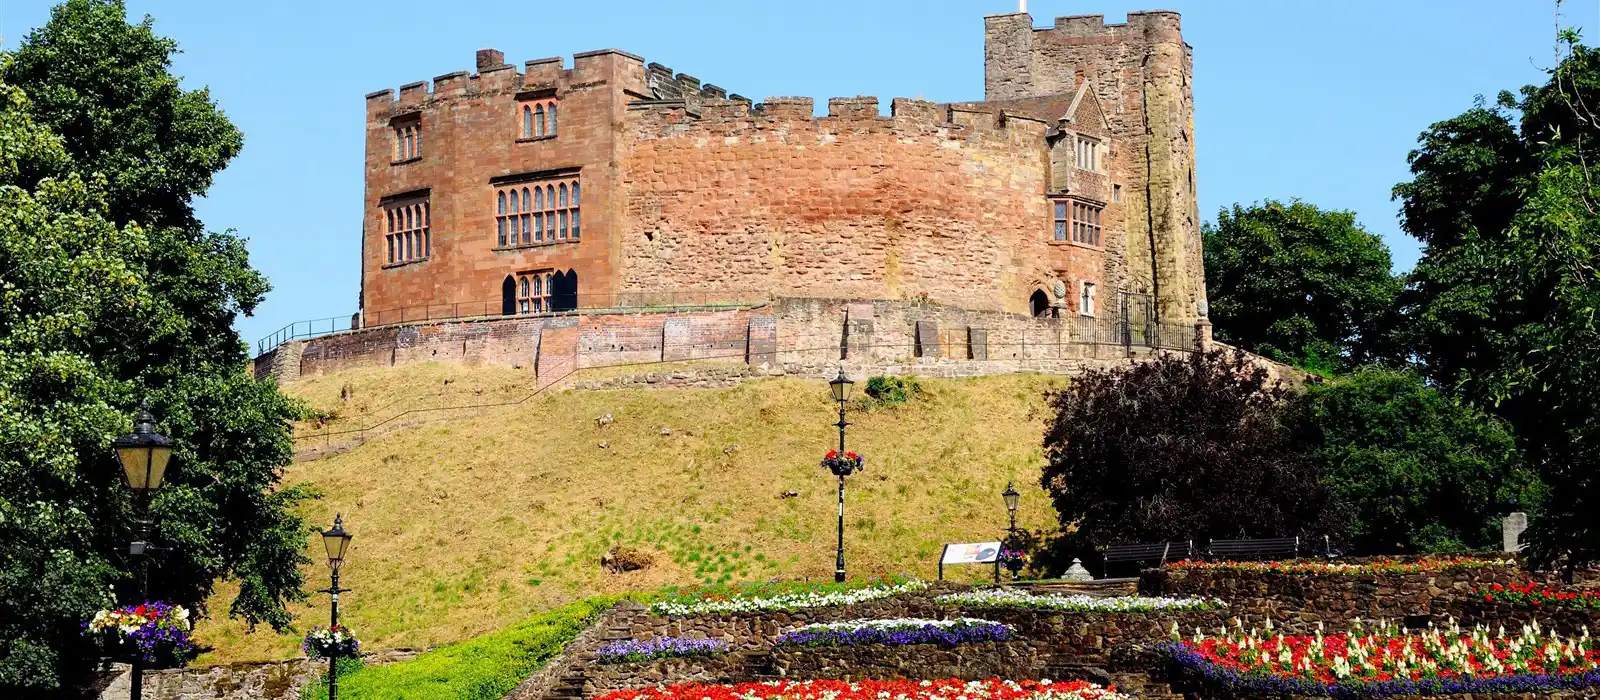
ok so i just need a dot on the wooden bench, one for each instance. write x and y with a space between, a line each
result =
1271 548
1157 553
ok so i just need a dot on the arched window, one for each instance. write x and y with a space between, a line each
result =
527 122
390 214
563 195
508 296
513 200
538 121
525 203
574 195
524 286
550 197
410 223
501 203
428 220
538 285
552 125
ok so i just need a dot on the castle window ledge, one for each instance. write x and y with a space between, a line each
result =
1075 244
403 263
537 244
531 139
405 161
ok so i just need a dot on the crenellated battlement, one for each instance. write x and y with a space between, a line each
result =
907 116
494 75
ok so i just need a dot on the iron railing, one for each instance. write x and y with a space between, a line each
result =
556 305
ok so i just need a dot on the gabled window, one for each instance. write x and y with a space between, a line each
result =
408 231
537 118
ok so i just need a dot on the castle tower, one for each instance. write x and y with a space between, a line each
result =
1141 71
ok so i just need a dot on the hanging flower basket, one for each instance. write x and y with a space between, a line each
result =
322 642
157 632
843 464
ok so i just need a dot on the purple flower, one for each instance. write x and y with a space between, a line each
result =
626 650
899 632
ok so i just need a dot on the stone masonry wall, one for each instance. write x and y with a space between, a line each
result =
943 202
277 680
788 336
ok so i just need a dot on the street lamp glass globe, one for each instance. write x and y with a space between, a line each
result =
144 454
1011 496
336 541
840 386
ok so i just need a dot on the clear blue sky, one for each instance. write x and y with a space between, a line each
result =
1319 101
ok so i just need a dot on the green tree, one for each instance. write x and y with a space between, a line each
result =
1502 304
1418 470
113 294
1297 283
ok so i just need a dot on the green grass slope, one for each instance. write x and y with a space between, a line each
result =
469 525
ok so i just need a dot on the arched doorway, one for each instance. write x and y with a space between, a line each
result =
564 291
1039 304
508 297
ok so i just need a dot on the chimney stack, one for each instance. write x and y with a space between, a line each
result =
490 58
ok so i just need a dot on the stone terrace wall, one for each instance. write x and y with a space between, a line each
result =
273 680
808 337
1335 599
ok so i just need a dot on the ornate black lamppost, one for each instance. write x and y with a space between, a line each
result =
144 456
1011 498
841 464
336 541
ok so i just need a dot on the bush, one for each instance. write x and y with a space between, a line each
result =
893 391
1179 448
1419 471
485 668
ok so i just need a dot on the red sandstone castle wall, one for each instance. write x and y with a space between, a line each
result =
849 205
471 133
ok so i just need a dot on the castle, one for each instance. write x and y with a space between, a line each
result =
1067 192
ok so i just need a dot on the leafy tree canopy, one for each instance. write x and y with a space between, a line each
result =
1418 470
1502 303
113 294
1297 283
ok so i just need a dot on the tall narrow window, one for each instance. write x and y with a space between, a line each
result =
1088 154
538 213
574 210
1086 298
527 219
500 218
538 120
409 230
1060 220
552 125
527 122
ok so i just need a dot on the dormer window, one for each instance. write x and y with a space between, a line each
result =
537 118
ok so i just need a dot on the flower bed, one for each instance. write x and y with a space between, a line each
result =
1386 661
897 631
1532 594
660 648
1015 598
159 632
1314 566
756 599
949 689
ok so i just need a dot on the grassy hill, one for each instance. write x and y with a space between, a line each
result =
467 525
